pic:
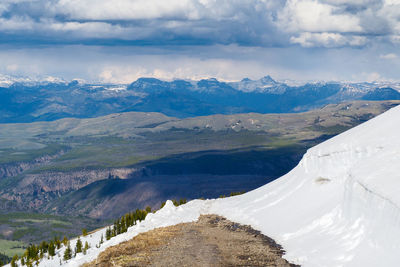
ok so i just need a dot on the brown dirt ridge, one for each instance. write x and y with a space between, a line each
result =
211 241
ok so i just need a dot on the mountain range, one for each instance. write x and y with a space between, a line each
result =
28 101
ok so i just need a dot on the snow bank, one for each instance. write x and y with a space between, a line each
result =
338 207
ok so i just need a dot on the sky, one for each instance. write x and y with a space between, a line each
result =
121 40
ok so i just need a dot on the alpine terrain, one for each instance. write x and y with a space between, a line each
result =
338 207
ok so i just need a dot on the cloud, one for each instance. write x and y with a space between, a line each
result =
314 16
326 39
369 77
141 22
12 68
388 56
280 23
130 10
179 67
124 64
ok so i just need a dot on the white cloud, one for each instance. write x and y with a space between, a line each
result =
127 9
308 23
326 39
125 64
157 9
12 68
373 77
314 16
166 68
16 23
388 56
368 77
351 2
86 29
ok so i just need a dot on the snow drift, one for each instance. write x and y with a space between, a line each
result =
338 207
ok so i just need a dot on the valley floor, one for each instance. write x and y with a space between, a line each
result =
210 241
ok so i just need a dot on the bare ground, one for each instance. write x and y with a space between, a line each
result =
211 241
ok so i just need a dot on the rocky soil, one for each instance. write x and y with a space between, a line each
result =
211 241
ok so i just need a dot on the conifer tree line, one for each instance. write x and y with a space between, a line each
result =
4 259
122 224
176 203
34 253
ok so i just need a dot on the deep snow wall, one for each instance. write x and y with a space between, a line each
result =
340 205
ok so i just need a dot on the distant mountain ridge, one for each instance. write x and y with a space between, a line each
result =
28 100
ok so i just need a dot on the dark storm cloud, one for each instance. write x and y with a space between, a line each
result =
309 23
121 40
140 22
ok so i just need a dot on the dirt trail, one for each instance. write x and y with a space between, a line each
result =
211 241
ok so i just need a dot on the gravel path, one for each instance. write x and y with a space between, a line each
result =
211 241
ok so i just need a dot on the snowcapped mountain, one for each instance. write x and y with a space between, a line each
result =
7 80
263 85
338 207
28 100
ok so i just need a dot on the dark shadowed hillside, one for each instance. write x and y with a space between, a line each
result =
91 166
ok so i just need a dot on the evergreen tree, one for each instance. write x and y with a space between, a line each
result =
108 233
57 242
4 259
78 247
117 226
65 241
22 261
127 221
68 252
43 247
86 247
162 205
101 239
123 225
14 261
32 252
84 232
52 249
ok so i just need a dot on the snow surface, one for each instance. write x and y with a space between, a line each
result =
338 207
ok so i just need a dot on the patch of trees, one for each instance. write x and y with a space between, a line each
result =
233 194
4 259
176 203
122 224
34 253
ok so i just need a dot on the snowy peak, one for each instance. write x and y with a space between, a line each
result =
178 98
264 85
268 80
7 80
